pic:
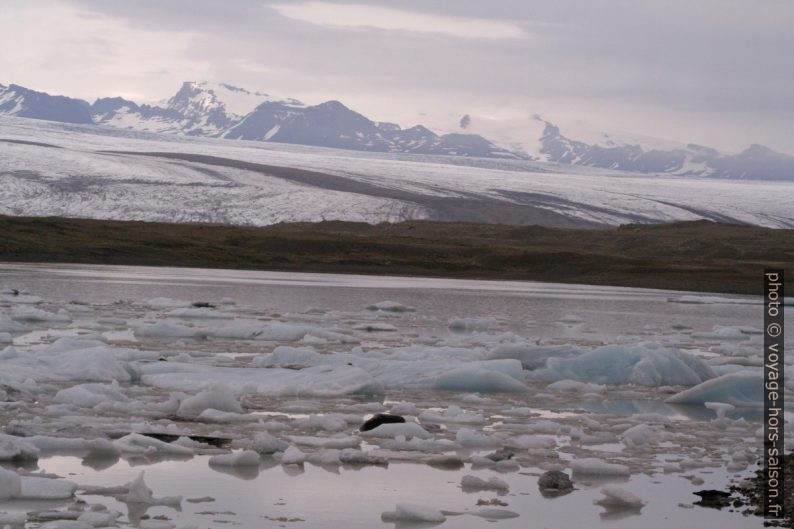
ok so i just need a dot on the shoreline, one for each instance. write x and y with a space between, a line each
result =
698 256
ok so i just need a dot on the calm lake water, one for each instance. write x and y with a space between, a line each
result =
317 497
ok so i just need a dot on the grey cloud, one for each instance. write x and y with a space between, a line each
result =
722 62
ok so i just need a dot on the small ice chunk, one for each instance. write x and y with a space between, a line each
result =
32 314
166 303
14 448
89 395
212 415
574 386
495 514
598 467
616 498
199 313
66 524
246 458
720 408
219 397
413 513
453 414
642 434
390 306
34 488
353 456
264 443
531 355
99 519
9 325
284 356
722 332
530 442
473 483
143 445
13 519
168 330
470 439
139 492
293 456
10 484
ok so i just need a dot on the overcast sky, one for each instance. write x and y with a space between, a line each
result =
715 72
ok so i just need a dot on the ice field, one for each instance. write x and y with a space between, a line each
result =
160 398
88 171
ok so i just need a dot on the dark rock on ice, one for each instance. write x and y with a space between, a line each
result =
380 418
715 499
501 455
555 481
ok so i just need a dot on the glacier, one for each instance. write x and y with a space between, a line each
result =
74 170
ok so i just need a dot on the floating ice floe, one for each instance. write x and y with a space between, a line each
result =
169 330
322 380
293 456
199 313
480 379
139 492
743 388
62 445
277 332
532 356
709 300
413 513
9 325
722 332
597 467
471 483
616 498
35 488
245 458
14 448
453 414
72 359
468 438
390 306
285 355
32 314
720 408
643 434
472 324
574 386
218 397
166 303
144 445
645 364
90 395
16 487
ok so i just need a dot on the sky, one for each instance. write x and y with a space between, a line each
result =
712 72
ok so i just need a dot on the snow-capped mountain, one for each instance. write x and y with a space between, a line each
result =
225 111
19 101
332 124
755 162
